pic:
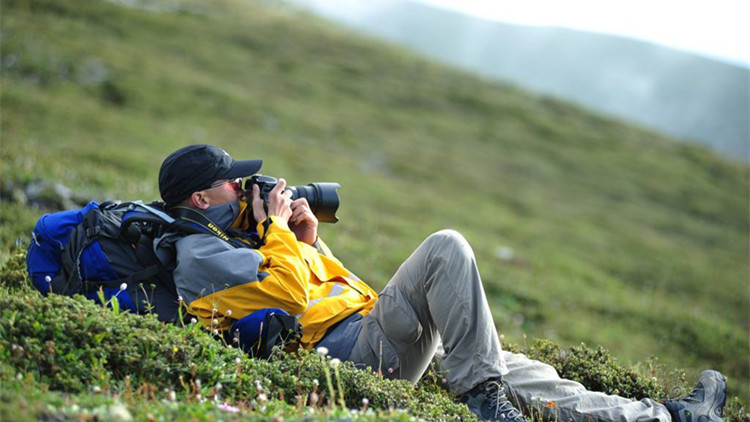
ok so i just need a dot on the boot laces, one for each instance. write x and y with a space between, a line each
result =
495 393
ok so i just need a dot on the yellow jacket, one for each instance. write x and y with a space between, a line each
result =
222 283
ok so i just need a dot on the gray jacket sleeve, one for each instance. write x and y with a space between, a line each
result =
206 264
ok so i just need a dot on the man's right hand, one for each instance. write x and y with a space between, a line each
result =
279 202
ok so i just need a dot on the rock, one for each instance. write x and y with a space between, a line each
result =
11 192
50 196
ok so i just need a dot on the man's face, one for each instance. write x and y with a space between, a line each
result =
223 191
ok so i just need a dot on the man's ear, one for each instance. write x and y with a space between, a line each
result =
198 200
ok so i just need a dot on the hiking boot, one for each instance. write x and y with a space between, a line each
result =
704 404
488 401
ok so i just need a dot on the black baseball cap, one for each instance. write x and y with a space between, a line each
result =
195 167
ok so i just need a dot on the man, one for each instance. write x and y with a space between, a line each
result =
436 295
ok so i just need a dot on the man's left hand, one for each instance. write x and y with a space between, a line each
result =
303 222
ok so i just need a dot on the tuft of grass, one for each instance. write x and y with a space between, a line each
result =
595 368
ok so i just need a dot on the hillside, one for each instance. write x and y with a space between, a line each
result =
681 94
617 236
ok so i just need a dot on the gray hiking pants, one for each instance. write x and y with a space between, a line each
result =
436 295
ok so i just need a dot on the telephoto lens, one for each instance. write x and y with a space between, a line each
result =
323 198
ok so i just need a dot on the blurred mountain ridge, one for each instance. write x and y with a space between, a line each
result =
681 94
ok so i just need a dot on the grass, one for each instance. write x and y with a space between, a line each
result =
94 366
619 237
114 366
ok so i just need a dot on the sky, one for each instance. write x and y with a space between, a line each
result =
716 28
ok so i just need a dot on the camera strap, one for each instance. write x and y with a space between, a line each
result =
204 223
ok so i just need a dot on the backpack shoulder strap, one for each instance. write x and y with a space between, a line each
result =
141 213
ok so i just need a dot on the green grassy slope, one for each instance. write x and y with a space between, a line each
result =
620 237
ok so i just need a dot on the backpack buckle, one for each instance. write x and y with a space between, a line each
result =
33 237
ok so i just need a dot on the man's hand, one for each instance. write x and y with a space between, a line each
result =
303 222
279 203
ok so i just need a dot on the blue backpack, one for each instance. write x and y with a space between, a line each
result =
105 251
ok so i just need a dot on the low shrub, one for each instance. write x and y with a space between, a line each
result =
78 349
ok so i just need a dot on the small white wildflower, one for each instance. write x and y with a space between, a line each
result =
172 396
215 311
390 370
228 312
315 382
653 379
365 402
123 286
335 362
19 376
257 384
193 321
179 299
198 397
198 383
502 336
229 408
215 322
216 332
237 361
218 386
48 279
322 351
262 398
96 389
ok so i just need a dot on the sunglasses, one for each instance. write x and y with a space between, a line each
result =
237 181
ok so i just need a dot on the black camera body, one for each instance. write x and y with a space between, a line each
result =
322 197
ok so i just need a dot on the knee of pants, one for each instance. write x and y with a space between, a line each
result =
451 242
